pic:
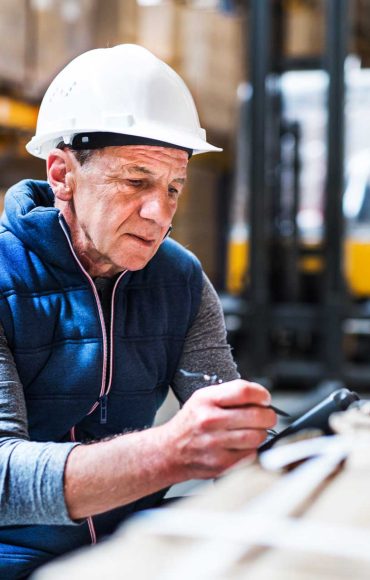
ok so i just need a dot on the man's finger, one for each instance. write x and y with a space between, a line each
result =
256 417
239 393
242 439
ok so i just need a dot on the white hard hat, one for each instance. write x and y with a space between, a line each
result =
112 93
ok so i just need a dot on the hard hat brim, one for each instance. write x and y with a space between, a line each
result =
41 146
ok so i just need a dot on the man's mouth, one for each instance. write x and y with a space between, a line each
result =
146 242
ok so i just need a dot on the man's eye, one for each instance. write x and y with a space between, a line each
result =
135 182
173 191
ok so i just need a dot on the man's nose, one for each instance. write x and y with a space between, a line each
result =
157 207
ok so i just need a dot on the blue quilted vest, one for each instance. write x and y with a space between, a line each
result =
53 324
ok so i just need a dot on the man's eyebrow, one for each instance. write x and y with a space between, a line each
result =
146 171
139 169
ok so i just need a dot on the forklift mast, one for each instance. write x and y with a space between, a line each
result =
292 323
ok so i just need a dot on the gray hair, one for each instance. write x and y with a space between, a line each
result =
82 155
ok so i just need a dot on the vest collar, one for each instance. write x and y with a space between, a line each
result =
29 213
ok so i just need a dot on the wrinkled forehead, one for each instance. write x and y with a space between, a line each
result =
153 157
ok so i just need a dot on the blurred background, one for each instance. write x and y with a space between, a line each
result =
280 219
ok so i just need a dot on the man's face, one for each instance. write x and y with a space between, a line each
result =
124 199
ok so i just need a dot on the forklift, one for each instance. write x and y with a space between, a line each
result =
297 300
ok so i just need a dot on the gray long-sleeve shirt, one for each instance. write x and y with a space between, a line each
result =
32 473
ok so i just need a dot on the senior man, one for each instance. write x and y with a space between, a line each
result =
100 311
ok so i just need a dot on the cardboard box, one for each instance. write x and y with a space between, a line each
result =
305 28
195 223
63 29
157 30
360 31
13 38
213 63
127 21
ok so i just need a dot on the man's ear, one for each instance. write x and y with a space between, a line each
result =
59 174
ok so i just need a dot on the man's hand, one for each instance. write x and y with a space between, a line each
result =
217 427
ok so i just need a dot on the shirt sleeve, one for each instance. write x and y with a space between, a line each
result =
206 349
31 473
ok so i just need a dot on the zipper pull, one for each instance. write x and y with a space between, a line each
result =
103 409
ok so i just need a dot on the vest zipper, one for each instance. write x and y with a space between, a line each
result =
101 316
105 385
103 409
105 388
109 383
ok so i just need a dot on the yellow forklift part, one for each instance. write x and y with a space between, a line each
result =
237 265
17 114
311 264
357 266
